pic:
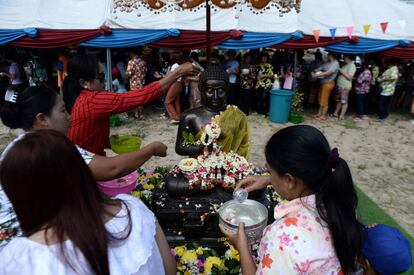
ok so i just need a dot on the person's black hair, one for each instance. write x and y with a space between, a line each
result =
166 57
221 58
350 56
215 54
60 192
32 101
392 61
12 55
138 50
335 55
247 55
303 152
318 55
231 52
80 67
194 56
264 54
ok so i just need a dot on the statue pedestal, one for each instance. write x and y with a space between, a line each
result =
187 219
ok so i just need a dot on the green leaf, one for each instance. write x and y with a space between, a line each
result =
191 138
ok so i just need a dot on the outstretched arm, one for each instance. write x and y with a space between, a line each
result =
108 168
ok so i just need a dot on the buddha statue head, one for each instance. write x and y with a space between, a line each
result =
213 85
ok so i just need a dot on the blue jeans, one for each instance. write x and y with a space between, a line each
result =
384 106
362 104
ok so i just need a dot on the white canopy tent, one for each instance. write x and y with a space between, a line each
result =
314 15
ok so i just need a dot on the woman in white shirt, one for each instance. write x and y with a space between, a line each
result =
69 227
40 108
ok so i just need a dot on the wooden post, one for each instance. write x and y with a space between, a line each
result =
208 30
108 70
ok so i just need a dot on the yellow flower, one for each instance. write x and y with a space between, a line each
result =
190 256
148 186
232 253
136 194
180 250
210 262
199 251
187 272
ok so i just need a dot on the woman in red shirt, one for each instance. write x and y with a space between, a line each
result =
90 106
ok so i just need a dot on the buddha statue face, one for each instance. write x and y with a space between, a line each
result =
214 94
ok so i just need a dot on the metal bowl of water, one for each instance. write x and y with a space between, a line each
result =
252 213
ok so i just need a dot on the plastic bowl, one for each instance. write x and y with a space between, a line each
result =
125 144
252 213
123 185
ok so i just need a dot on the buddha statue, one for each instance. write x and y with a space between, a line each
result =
234 136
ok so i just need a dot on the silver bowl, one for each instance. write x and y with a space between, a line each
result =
252 213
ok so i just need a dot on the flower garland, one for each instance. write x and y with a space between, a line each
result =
214 167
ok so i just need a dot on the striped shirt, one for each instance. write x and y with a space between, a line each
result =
90 114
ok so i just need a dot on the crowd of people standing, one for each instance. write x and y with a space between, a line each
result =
374 85
370 83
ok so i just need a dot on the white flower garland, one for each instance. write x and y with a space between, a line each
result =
214 166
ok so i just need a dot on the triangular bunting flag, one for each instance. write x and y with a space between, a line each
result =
333 33
366 28
402 24
316 34
384 26
349 31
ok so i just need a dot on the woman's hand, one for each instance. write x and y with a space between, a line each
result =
238 239
159 149
188 69
252 183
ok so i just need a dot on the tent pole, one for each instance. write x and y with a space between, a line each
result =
208 30
108 70
295 60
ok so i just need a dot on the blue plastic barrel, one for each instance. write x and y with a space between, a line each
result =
280 101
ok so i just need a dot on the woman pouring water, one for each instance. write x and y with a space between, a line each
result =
315 230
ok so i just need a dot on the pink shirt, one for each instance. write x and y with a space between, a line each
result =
298 242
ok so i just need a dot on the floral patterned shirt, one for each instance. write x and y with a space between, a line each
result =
136 70
298 242
247 80
388 87
265 83
363 82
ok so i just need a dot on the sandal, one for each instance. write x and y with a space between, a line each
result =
315 116
320 118
333 115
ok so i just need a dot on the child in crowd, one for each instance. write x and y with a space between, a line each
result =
316 231
69 226
386 251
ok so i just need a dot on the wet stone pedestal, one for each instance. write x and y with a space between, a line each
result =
193 219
